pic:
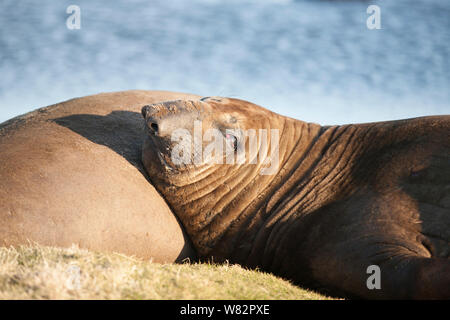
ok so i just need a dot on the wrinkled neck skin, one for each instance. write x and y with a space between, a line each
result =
232 212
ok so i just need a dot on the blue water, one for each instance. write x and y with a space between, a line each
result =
314 60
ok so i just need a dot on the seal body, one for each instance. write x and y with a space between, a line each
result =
71 174
343 201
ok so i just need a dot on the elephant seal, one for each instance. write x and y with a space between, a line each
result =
358 210
71 174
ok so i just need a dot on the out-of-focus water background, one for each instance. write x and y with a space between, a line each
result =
314 60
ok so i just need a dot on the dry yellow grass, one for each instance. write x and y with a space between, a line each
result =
36 272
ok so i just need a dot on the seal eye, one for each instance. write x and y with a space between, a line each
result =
233 140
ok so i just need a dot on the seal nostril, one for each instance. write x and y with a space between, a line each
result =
154 127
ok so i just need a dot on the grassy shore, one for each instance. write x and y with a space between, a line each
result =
36 272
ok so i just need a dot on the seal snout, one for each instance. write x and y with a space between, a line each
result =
163 119
160 127
152 123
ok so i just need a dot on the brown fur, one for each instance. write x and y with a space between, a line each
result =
344 198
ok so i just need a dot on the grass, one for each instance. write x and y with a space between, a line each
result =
37 272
